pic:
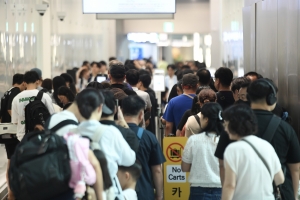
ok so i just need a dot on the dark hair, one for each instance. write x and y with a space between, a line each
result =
225 76
112 58
47 84
184 67
258 76
18 79
132 105
85 63
57 82
238 82
96 63
132 76
102 62
204 76
258 90
213 111
172 67
242 120
105 84
134 170
195 106
130 66
179 84
31 77
65 91
87 101
67 77
110 101
180 73
96 85
107 182
146 80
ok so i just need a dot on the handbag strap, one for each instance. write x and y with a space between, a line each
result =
190 96
271 129
260 156
197 119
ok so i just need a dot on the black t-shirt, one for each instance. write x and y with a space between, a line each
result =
127 133
124 88
6 102
149 154
184 119
285 143
225 99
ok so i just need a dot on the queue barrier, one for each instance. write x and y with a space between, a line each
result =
176 185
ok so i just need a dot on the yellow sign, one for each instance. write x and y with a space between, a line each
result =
176 185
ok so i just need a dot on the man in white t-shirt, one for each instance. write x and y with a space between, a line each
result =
19 103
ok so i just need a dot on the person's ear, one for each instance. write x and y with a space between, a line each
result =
141 115
127 175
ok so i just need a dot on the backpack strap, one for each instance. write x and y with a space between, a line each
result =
271 129
97 137
140 133
39 95
62 124
197 119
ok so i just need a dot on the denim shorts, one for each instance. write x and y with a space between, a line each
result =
201 193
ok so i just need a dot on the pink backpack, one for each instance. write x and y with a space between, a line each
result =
81 169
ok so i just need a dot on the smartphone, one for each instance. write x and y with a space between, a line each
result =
117 105
100 78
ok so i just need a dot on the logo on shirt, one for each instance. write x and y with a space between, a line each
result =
23 122
26 99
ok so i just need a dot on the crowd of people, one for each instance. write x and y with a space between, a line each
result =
240 143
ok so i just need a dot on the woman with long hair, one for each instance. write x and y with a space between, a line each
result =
198 155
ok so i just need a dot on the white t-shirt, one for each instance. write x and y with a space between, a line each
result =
114 146
199 151
58 117
253 180
144 95
130 194
18 106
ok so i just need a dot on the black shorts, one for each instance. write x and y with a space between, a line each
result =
10 148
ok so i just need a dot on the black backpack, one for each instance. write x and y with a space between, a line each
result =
40 167
36 113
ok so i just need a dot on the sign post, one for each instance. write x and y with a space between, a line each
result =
176 186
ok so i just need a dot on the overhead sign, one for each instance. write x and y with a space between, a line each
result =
128 6
176 185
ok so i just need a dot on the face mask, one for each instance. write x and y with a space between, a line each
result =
241 101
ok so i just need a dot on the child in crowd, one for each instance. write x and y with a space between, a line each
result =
128 177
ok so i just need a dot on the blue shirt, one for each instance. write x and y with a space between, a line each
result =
149 154
177 107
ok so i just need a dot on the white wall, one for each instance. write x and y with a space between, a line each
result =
189 18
